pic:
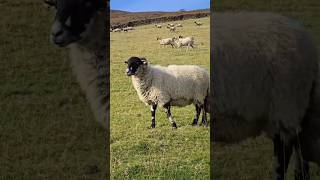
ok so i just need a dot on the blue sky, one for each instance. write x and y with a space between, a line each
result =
158 5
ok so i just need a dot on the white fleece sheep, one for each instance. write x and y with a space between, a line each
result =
265 80
166 41
187 41
175 85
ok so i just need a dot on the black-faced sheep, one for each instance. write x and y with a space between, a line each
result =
87 38
175 85
265 79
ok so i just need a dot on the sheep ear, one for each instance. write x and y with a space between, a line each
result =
144 60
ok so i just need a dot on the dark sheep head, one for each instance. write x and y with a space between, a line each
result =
135 65
72 19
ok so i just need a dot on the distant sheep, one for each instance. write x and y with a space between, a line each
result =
126 29
171 25
175 85
181 41
172 29
266 79
198 23
178 25
117 30
158 26
166 41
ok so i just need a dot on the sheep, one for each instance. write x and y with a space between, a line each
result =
265 78
187 41
166 41
117 30
198 23
178 25
171 25
175 85
126 29
172 29
87 40
158 26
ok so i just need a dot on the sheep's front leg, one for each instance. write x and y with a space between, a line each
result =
196 117
282 152
169 115
153 116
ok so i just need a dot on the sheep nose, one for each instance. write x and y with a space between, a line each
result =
57 29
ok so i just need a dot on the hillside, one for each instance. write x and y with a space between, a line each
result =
123 18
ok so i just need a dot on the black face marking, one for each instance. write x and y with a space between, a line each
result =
133 63
71 19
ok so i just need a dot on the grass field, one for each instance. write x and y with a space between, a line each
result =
138 152
253 159
47 130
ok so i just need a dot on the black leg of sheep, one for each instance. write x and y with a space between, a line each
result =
167 107
282 152
196 117
153 116
204 116
301 171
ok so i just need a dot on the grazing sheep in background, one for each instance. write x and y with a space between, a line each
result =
171 25
87 38
179 25
175 85
126 29
198 23
172 29
117 30
158 26
166 41
181 41
266 79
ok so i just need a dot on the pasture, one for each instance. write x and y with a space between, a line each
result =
138 152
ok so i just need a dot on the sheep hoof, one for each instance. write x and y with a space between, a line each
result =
153 125
174 126
194 123
204 123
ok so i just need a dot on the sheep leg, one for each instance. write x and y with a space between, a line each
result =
167 107
204 116
282 152
301 171
153 116
196 117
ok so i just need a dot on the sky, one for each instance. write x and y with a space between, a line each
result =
158 5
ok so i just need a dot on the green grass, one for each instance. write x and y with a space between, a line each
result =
47 130
138 152
253 159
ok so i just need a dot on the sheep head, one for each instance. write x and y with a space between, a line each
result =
136 65
72 19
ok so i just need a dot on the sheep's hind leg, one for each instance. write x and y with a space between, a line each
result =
204 116
153 116
169 115
282 152
196 117
301 171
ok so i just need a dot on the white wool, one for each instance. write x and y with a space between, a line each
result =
187 41
180 84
